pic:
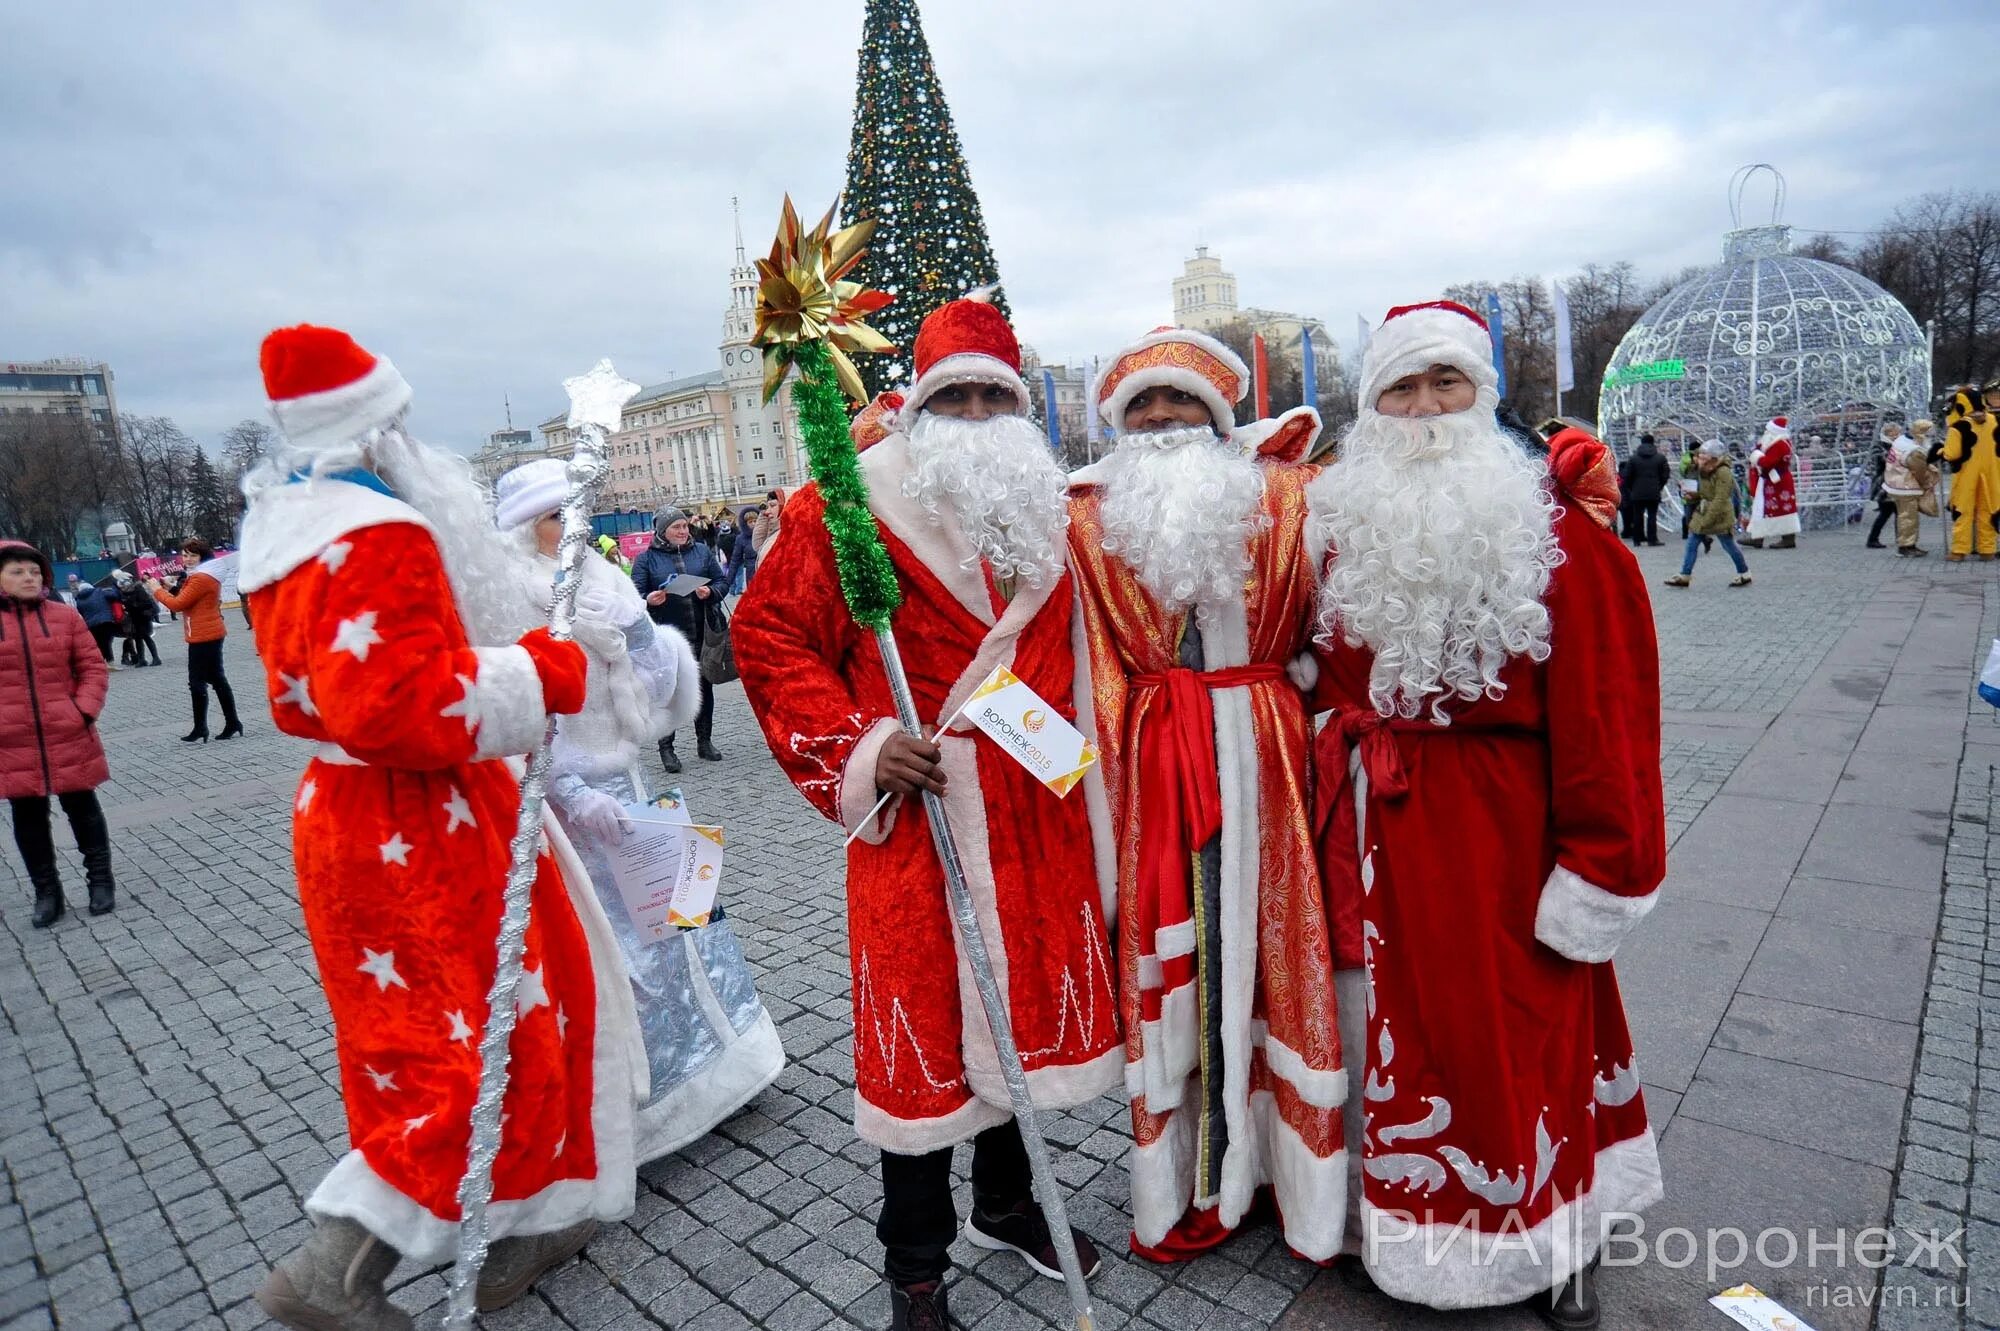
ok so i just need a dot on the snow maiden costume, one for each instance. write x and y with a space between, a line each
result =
710 1045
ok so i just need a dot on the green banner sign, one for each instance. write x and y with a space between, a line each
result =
1646 372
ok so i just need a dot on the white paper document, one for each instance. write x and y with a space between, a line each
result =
1749 1306
667 870
684 584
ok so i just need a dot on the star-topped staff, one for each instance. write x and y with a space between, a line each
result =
809 316
596 403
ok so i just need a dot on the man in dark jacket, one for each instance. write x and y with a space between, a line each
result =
141 613
1642 480
94 604
743 555
675 553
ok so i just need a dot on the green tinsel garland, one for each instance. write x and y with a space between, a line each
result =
867 579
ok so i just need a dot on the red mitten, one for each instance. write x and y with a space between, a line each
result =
561 666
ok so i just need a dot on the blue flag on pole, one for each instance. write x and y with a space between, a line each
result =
1049 409
1308 372
1499 339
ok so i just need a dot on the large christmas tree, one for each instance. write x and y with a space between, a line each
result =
905 170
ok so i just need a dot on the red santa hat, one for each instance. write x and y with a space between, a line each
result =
325 389
1413 338
1778 428
1178 358
965 341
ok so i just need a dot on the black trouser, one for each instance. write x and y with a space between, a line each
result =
1885 513
1645 521
704 717
104 633
918 1221
37 845
204 672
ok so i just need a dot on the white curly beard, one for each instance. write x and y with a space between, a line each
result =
486 567
1442 531
1180 508
998 478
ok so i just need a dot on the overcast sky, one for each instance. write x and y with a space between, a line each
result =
496 194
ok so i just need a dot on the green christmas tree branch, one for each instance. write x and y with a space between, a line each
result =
867 578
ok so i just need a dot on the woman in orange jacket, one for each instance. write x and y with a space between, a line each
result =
199 603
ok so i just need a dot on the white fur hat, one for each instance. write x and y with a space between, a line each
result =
1179 358
529 491
1413 338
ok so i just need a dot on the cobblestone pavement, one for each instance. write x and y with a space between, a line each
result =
168 1092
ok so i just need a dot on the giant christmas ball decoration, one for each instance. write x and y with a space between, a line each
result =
1769 333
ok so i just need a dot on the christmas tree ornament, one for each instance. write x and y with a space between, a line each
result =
597 400
868 585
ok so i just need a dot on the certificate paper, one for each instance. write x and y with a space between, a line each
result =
685 584
667 870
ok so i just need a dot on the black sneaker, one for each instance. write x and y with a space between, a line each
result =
1572 1306
920 1308
1023 1230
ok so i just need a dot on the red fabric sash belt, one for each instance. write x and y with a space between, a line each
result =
1181 798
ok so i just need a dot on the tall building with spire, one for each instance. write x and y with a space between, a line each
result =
704 440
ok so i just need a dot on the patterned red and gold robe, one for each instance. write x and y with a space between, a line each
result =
1232 1047
400 844
926 1075
1497 863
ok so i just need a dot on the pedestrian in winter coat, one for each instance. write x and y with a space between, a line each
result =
1712 513
675 552
767 522
1642 481
201 598
743 554
94 604
141 613
52 688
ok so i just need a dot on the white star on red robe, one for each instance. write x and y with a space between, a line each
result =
458 812
335 555
382 966
307 790
562 1023
410 1125
463 707
384 1081
460 1031
561 1142
297 694
531 993
355 636
395 850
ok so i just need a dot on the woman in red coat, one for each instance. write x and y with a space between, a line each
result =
52 687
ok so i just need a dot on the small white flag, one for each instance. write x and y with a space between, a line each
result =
1031 732
1746 1305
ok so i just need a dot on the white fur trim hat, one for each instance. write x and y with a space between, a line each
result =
965 341
531 490
325 390
1179 358
1413 338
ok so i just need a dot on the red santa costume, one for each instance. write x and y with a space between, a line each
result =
1774 497
1491 827
1187 545
971 510
403 818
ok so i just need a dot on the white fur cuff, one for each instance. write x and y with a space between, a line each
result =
857 785
503 703
1584 922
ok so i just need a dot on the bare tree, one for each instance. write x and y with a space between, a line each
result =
44 487
158 460
1940 255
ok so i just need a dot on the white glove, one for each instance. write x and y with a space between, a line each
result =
601 816
1772 476
594 601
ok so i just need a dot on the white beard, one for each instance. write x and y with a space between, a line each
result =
998 478
1443 536
487 569
1180 508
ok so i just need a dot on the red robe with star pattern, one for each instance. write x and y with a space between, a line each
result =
400 844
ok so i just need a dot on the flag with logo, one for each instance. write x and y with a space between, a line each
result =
1033 733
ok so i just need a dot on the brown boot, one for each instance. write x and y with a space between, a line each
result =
333 1282
512 1265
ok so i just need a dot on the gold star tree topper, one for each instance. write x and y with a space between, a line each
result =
803 296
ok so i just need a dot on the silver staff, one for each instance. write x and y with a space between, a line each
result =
998 1019
595 403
